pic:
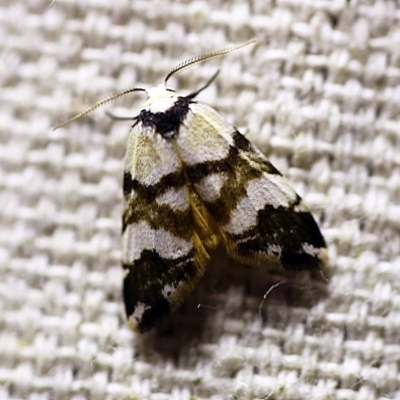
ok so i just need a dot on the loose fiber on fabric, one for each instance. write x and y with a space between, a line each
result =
319 94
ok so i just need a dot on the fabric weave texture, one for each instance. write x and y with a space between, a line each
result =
319 94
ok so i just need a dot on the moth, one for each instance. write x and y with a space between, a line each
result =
192 181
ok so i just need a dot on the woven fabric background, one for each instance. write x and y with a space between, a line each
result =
319 94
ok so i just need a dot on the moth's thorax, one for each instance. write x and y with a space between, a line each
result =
160 99
164 111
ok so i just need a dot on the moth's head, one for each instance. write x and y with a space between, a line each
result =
160 98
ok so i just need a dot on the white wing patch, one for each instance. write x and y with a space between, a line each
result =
176 198
140 236
149 156
197 141
267 190
209 188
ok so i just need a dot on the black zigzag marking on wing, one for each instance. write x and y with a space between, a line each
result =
237 172
249 150
287 229
143 206
150 192
229 165
158 216
146 280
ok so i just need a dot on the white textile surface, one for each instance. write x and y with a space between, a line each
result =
319 94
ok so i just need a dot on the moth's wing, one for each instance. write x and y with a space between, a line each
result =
163 255
260 217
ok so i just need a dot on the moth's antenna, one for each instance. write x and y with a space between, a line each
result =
179 68
99 104
198 59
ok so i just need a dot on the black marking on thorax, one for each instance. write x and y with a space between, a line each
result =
166 123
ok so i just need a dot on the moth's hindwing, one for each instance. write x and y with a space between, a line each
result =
165 230
261 219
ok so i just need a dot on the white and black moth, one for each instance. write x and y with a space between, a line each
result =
192 181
